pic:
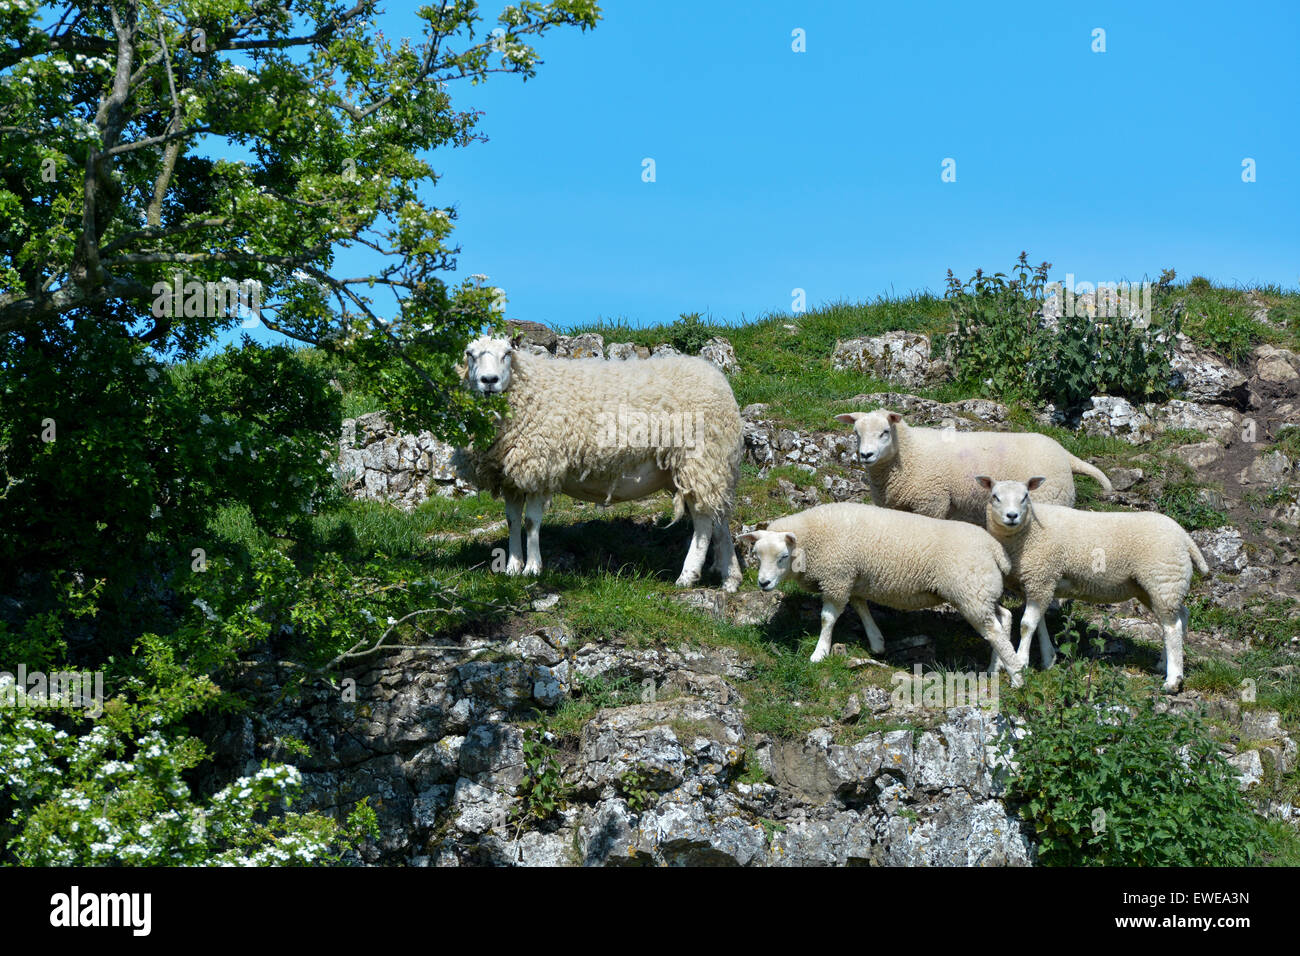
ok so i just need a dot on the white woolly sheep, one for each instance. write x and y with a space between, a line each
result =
1101 557
852 553
606 432
931 471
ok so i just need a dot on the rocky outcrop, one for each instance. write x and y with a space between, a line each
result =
900 357
377 462
1205 378
435 738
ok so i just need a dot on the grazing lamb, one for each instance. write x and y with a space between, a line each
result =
931 471
852 553
605 432
1101 557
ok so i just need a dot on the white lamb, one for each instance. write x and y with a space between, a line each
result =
852 553
1101 557
931 471
605 432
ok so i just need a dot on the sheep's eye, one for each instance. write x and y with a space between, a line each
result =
884 433
1024 499
996 498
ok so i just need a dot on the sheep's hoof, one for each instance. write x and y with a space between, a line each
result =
514 570
731 585
818 656
687 581
1174 686
532 570
1017 679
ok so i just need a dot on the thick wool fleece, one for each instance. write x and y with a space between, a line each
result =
1101 557
933 472
595 421
897 559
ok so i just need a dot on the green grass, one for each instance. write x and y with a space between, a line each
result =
1271 622
1288 441
615 567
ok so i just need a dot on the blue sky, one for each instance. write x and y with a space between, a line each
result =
821 170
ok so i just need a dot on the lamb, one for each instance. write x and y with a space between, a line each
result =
931 471
1098 557
852 553
607 432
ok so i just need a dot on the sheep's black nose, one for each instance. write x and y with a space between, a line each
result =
1012 516
489 379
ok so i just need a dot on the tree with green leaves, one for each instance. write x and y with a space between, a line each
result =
158 157
118 124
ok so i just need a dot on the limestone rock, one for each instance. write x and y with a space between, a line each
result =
902 357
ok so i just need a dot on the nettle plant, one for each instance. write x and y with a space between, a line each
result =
1106 779
1002 346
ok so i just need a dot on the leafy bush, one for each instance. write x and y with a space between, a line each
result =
1105 779
1001 345
112 463
541 791
689 333
114 792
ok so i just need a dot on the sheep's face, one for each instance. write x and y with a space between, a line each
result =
1009 506
876 433
488 363
778 554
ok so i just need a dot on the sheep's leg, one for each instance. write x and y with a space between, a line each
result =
724 555
1004 619
1029 621
534 508
698 551
515 522
1046 649
996 629
1175 630
831 611
874 637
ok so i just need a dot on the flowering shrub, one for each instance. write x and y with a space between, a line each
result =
115 794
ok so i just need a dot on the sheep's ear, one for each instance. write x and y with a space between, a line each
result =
894 418
1033 483
462 371
798 561
748 537
985 482
516 340
849 418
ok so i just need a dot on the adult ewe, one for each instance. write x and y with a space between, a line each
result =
605 432
852 553
1096 556
931 471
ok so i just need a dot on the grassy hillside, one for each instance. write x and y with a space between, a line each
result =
613 568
